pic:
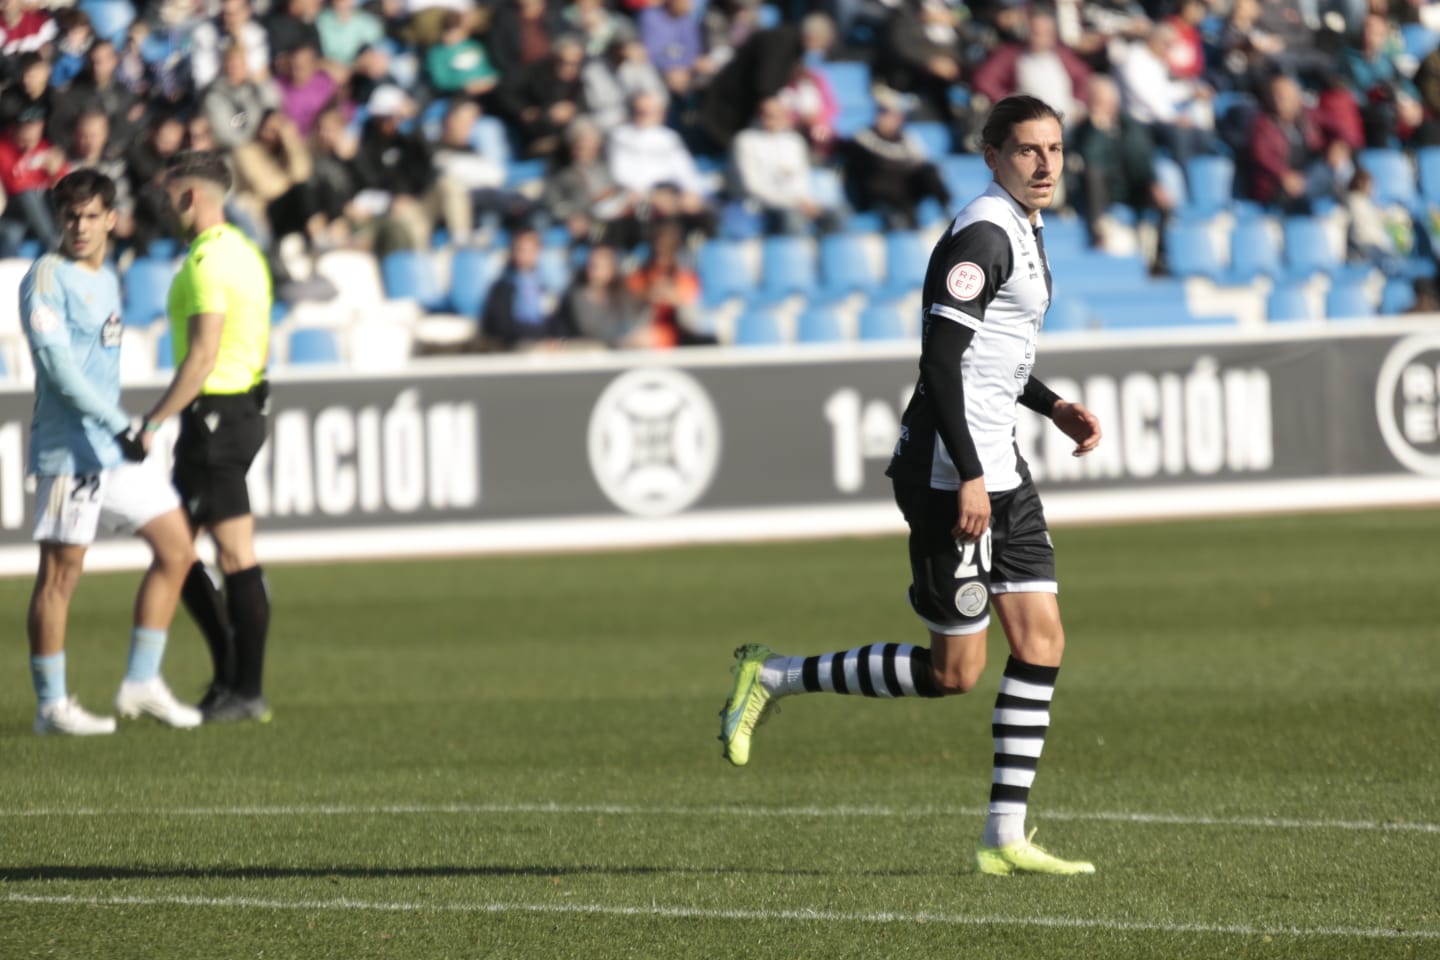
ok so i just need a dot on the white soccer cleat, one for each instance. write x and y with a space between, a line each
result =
69 718
154 698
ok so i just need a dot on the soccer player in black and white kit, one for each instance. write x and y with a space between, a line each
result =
978 538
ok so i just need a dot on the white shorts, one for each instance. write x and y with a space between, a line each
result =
72 508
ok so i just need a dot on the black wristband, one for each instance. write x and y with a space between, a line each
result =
1039 398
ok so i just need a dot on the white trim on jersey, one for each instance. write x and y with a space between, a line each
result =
959 316
1027 586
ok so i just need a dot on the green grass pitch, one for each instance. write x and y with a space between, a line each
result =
515 757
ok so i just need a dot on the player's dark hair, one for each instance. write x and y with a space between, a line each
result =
80 187
1009 113
207 165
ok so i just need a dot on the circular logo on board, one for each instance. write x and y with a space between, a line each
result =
654 441
1407 402
965 281
971 599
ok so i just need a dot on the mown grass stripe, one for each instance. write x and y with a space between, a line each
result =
701 913
622 809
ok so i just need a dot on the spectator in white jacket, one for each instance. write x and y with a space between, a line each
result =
772 171
644 155
1163 104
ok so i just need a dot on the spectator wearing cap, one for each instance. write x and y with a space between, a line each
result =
345 30
517 312
23 29
211 39
644 155
395 172
612 81
458 64
671 33
304 88
771 172
29 166
886 170
1041 66
542 98
236 101
32 92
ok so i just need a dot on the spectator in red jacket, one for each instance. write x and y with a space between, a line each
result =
1286 149
1041 67
29 166
22 31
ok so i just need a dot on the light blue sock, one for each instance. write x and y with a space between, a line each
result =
146 648
48 675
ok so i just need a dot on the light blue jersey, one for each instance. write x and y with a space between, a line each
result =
71 316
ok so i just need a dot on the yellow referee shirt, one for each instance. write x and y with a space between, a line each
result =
224 273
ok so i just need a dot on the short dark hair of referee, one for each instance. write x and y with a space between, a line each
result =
219 307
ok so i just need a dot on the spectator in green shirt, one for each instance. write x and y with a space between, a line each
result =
344 30
458 63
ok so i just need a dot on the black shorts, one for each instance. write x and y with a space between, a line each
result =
952 582
220 434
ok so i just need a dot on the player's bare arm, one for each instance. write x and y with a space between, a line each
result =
199 362
1079 424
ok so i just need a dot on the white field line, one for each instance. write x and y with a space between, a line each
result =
700 913
802 812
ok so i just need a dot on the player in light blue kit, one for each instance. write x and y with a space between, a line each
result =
90 468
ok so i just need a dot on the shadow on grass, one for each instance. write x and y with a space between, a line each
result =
133 872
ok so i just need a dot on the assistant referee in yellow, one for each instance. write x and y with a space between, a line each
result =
219 310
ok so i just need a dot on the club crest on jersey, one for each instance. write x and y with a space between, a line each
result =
965 281
43 319
110 331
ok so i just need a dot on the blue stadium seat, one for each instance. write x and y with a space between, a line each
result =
409 275
1190 250
1211 183
787 265
433 117
554 269
821 324
1419 39
1064 237
1427 160
1288 302
724 271
472 273
850 82
845 265
492 140
1067 314
906 257
1153 304
146 290
1397 297
1349 300
933 137
884 320
1088 273
739 222
314 345
109 19
164 350
758 327
1308 248
1171 176
965 176
520 172
1393 173
1254 251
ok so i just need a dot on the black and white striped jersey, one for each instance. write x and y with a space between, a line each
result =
988 273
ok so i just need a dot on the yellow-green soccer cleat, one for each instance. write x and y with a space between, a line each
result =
1022 856
747 704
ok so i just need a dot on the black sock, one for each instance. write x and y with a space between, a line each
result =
207 608
249 604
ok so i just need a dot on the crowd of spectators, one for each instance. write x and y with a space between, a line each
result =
354 124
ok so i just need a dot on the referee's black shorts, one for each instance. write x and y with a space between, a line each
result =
220 434
951 581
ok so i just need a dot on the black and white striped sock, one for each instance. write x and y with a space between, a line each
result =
877 670
1021 719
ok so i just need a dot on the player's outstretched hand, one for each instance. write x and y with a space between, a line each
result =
1079 424
130 444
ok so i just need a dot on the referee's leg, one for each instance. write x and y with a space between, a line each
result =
246 599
